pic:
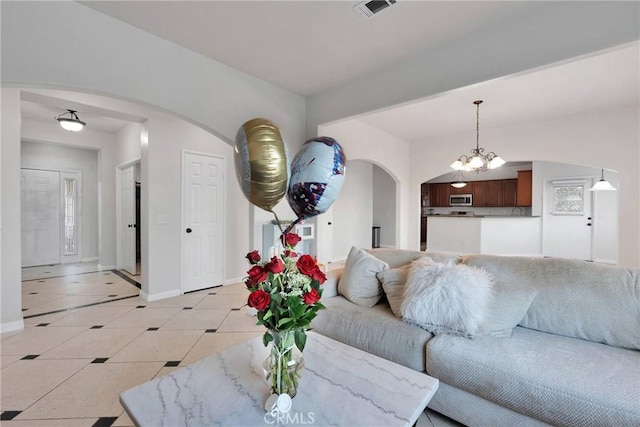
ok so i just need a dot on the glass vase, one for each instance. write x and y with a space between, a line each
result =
284 364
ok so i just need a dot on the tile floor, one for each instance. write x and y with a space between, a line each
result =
88 336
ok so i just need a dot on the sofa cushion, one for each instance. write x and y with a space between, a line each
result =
577 299
399 257
393 281
358 282
447 298
374 330
559 380
507 307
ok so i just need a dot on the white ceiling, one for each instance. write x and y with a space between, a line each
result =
598 82
310 46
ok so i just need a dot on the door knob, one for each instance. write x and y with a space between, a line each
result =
189 230
589 224
589 218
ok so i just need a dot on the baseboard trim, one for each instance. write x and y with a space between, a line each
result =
160 295
106 267
12 326
233 281
90 259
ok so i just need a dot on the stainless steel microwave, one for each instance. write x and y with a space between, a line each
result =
461 200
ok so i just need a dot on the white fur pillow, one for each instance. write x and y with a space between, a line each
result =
445 298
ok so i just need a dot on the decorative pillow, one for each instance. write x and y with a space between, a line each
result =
447 298
393 283
507 308
359 283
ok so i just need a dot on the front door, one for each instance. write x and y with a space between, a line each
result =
567 219
40 198
203 221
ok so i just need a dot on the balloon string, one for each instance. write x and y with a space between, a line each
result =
277 221
293 224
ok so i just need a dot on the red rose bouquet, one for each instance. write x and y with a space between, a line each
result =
286 292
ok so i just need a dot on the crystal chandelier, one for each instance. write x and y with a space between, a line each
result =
478 161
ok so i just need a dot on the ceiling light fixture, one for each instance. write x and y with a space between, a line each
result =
478 160
458 180
72 123
602 185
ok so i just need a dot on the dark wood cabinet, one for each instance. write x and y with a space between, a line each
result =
423 230
524 188
464 190
439 195
509 189
479 193
494 193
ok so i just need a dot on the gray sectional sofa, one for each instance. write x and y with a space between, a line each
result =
573 360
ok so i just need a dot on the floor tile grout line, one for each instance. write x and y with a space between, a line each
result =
127 278
62 310
65 275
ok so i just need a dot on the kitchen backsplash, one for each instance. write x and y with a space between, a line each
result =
500 211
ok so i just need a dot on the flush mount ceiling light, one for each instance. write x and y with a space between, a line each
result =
458 180
72 122
478 161
602 185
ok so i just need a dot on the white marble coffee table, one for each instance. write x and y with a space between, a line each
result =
340 386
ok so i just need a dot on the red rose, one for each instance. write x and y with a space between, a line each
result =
257 274
319 275
311 297
259 299
290 254
253 257
275 265
306 265
250 283
290 239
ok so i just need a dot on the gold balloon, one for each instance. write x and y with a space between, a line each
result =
261 163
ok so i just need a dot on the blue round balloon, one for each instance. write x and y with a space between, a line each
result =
317 175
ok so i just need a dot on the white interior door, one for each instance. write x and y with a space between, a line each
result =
203 221
128 187
567 219
40 191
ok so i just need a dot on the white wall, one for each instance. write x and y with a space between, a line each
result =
361 141
69 46
128 141
36 155
607 138
10 273
352 226
384 206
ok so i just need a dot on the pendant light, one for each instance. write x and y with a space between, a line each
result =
72 122
478 160
602 185
458 180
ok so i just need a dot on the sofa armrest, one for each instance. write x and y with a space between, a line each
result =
330 287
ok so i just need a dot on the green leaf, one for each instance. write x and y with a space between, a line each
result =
283 321
267 315
301 339
266 338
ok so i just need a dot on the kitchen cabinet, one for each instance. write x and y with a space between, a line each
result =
509 190
524 188
439 195
464 190
423 230
479 193
494 193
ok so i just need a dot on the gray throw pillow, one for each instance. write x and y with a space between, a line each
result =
359 283
507 308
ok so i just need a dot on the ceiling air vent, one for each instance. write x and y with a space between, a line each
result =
370 8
